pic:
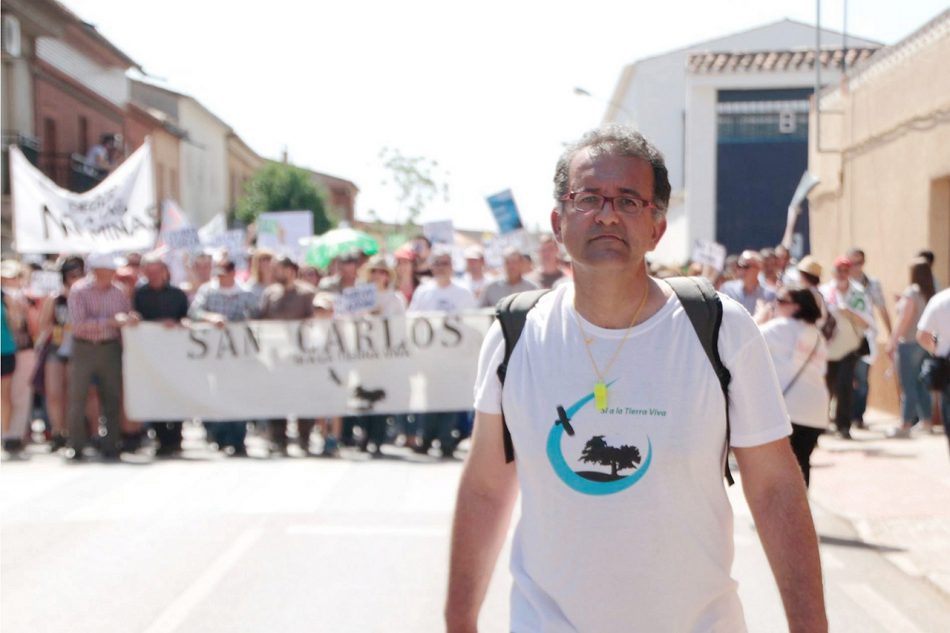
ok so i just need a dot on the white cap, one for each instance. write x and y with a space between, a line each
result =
102 260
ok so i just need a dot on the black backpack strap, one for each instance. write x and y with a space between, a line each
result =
704 309
512 313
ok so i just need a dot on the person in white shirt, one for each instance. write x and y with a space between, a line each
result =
800 357
442 295
475 278
849 305
625 523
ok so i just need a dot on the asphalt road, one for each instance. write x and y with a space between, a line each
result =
207 543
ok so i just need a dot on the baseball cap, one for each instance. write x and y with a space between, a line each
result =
842 261
474 252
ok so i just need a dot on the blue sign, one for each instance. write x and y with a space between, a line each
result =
505 210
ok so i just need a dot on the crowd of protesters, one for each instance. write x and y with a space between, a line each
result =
62 352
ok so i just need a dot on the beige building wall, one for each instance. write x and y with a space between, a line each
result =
243 163
884 167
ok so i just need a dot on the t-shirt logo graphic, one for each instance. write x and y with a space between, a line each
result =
627 466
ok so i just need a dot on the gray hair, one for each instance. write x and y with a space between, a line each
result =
616 140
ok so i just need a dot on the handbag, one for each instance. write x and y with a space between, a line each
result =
935 372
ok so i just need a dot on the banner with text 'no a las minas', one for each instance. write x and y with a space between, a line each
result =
118 215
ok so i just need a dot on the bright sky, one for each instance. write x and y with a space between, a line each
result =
486 89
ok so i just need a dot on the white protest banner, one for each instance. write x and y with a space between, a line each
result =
359 298
118 215
280 231
45 283
315 368
709 253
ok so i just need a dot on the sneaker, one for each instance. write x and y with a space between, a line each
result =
926 428
900 433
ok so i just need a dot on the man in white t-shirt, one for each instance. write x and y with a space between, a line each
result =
618 425
933 334
442 294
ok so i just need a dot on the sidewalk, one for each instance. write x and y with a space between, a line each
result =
896 493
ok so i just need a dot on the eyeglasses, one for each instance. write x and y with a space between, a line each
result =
784 300
587 202
442 262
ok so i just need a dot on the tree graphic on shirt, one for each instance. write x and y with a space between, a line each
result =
597 451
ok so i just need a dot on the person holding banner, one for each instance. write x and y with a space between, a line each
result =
98 309
625 523
158 300
219 302
288 299
15 282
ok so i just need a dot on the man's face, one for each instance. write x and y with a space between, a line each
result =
283 274
155 274
421 249
202 268
348 270
548 254
770 264
748 269
842 273
104 276
514 264
442 268
605 237
475 266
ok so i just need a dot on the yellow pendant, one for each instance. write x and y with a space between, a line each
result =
600 396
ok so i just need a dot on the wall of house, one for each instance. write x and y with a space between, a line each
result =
885 174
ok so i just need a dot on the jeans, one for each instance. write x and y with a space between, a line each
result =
803 440
915 402
442 426
860 404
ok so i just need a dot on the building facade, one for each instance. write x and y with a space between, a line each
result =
884 168
701 111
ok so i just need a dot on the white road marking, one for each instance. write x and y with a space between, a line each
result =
879 608
172 617
367 530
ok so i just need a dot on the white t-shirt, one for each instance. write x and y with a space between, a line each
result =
936 319
626 523
429 297
790 342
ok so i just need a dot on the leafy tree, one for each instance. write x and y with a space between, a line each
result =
416 179
597 451
283 187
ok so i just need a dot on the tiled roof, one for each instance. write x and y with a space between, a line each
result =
774 61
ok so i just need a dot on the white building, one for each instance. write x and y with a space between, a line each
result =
204 182
680 100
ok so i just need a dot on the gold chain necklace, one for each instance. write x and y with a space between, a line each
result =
600 387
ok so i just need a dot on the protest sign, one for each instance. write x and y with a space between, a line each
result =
117 215
183 239
439 232
314 368
280 231
709 253
505 210
45 282
360 298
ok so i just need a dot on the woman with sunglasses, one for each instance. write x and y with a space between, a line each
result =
800 357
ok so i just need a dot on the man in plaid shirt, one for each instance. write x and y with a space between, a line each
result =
219 301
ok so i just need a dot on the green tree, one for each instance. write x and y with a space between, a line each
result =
283 187
417 181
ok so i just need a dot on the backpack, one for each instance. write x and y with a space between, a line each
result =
699 300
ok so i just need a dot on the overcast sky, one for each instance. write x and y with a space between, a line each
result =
485 88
